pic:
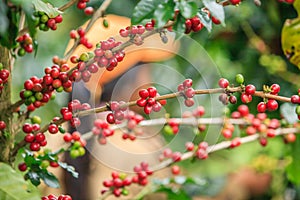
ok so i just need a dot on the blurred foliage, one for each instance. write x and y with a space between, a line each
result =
231 49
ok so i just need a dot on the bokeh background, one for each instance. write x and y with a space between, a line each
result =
249 44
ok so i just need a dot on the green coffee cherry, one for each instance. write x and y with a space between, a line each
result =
239 78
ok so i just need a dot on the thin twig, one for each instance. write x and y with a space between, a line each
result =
99 13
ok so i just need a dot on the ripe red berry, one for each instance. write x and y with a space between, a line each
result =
175 169
27 128
176 156
143 93
235 2
89 10
22 167
40 137
261 107
250 89
189 146
34 146
223 83
58 19
275 88
263 141
272 105
29 138
243 110
189 102
215 20
246 98
2 125
152 92
52 128
227 133
110 118
295 99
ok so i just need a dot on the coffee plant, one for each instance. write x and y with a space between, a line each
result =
239 111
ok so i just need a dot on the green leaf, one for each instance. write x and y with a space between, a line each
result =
174 194
33 177
46 7
205 20
294 168
48 178
69 168
163 13
296 5
179 26
216 10
14 187
144 10
188 9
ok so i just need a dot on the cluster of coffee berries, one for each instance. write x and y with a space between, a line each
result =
131 130
45 22
37 140
106 57
269 104
4 75
73 106
246 96
38 91
224 97
80 34
193 24
235 2
185 89
117 184
172 127
148 101
142 172
77 148
25 43
201 152
60 197
295 99
169 154
102 130
81 4
227 130
118 112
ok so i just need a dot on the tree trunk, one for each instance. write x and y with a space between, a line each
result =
6 136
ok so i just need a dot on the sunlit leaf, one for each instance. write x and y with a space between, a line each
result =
216 10
13 186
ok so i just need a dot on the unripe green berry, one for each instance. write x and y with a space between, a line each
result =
81 151
84 57
32 99
44 18
27 93
21 52
105 23
38 96
125 192
74 153
1 66
59 89
298 110
76 145
53 96
36 119
45 164
168 130
61 129
239 78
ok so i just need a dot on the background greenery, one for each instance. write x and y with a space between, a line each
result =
230 49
